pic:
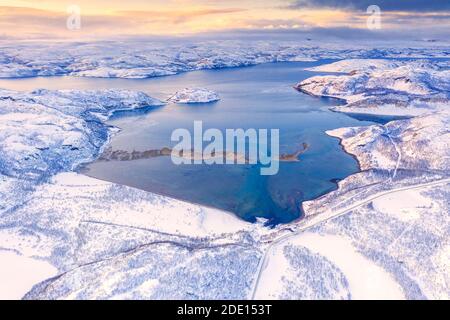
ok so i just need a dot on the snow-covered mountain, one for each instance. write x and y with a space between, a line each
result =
46 132
144 59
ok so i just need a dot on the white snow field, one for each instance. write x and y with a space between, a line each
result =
18 274
384 233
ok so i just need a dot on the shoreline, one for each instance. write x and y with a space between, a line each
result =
203 206
163 152
81 168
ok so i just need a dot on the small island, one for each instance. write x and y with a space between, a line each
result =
123 155
294 157
194 95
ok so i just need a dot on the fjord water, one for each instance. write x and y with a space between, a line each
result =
252 97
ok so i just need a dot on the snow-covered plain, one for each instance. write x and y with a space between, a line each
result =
110 241
18 274
90 239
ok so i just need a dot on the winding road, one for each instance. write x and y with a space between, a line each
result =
319 218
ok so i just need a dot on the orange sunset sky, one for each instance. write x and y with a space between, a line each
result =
47 18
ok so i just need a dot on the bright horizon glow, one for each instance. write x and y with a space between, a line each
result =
47 18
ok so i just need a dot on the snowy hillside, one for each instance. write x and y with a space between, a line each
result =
384 233
46 132
384 86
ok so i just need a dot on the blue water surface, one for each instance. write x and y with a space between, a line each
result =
251 97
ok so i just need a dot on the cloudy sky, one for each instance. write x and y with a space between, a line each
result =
103 18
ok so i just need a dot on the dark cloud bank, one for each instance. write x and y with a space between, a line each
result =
385 5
